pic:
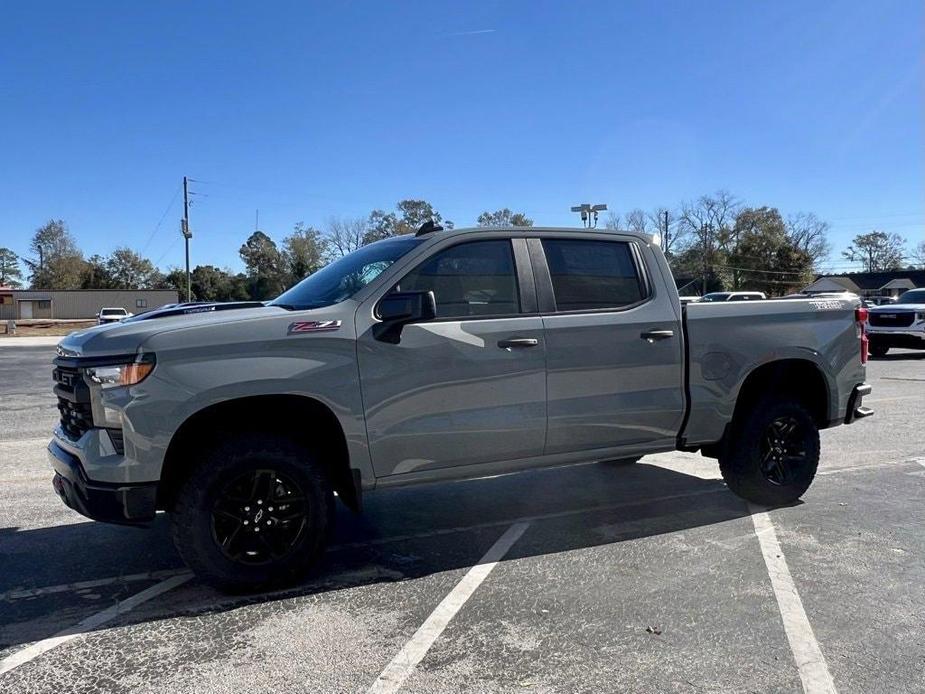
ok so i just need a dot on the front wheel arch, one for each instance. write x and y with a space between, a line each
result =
301 419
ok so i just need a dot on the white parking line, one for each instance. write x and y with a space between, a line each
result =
814 673
95 583
90 623
403 664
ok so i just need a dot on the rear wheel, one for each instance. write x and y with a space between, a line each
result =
773 454
255 512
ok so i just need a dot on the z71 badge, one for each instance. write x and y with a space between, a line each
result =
313 326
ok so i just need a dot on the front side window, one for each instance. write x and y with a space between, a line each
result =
471 279
591 275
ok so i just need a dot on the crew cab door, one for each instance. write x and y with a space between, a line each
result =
469 386
613 345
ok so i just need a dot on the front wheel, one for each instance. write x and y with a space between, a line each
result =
773 453
254 512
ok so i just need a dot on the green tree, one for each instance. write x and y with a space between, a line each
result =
303 252
10 274
264 265
129 270
95 274
210 283
504 218
57 263
765 258
876 251
407 219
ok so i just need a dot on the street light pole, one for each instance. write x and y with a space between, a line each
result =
589 213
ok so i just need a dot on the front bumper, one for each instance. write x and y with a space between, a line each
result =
855 410
130 504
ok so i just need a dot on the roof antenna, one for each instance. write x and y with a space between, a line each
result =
428 227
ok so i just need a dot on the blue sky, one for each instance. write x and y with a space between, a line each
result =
306 110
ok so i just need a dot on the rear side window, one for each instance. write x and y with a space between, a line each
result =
471 279
589 275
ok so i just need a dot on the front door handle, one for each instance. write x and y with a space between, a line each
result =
653 335
518 342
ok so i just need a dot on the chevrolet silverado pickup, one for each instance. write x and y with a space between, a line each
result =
439 355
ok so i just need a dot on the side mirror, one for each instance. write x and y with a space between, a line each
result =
398 309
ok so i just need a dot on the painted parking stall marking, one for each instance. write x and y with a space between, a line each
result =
403 664
33 651
814 672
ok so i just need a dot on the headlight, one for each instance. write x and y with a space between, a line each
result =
121 374
106 407
920 315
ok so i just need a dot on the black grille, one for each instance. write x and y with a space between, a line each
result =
902 319
73 402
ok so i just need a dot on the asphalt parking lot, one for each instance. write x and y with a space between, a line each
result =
650 577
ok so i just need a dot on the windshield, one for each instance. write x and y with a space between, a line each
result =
913 296
716 296
345 276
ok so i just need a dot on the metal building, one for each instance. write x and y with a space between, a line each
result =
21 304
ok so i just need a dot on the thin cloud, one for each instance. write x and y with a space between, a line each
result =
473 33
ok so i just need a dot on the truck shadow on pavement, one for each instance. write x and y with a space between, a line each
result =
402 534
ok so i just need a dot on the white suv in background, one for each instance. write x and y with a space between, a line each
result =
901 324
111 315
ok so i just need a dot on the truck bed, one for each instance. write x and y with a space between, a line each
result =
726 341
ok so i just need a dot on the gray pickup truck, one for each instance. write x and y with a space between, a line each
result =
435 356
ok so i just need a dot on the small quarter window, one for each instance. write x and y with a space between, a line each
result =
592 275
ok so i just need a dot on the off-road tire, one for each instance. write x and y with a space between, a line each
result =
193 516
744 461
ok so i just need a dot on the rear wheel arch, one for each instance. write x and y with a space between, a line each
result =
800 379
301 419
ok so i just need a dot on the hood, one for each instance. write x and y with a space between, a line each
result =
125 336
896 308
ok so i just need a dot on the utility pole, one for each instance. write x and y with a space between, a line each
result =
705 229
187 235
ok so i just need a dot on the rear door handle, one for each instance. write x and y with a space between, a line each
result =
518 342
653 335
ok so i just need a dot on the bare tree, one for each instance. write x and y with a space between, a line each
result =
345 235
809 234
710 222
637 221
613 221
877 251
917 254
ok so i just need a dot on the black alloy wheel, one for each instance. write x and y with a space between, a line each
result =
259 517
783 451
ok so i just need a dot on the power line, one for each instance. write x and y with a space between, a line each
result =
161 220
